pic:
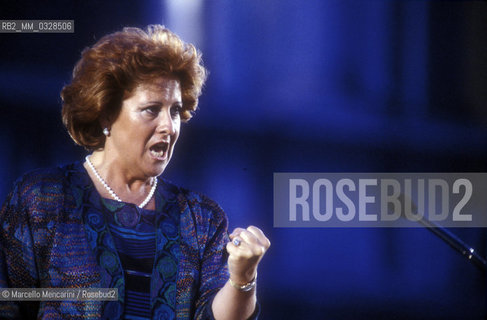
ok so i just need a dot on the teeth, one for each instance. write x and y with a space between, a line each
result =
157 154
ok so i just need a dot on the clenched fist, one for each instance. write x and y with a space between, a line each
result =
246 249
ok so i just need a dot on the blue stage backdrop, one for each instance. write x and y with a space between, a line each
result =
294 86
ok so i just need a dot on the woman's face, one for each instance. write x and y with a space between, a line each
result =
143 136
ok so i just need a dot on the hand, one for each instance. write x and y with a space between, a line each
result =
246 249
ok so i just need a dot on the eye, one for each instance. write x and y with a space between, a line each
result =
152 110
176 110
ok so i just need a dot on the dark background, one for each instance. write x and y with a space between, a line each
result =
295 86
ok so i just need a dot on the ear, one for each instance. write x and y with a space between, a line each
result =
105 127
106 122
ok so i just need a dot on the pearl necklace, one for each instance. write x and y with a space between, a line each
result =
113 194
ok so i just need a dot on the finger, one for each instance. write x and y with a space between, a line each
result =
240 252
256 239
240 242
260 236
236 241
250 240
258 233
236 232
249 237
253 243
232 251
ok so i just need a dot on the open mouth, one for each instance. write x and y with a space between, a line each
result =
159 150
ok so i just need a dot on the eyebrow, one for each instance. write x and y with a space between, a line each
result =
158 103
152 102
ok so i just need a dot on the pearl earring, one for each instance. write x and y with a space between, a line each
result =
106 132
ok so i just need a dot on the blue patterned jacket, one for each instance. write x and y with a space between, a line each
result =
49 239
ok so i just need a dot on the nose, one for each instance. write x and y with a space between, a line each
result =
166 124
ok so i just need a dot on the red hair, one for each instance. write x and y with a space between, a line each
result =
110 70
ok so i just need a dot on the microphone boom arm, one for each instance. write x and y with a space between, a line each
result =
457 244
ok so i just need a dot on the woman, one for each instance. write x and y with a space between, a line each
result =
111 221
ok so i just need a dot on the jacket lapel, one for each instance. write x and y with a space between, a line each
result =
100 240
166 269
